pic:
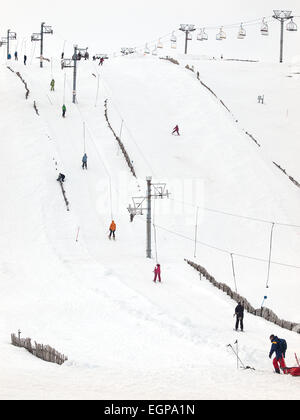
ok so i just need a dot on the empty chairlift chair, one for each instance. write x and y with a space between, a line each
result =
291 26
242 32
221 35
154 52
173 41
264 30
146 50
204 36
159 44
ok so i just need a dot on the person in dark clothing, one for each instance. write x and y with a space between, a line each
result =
25 60
239 313
61 178
84 161
16 55
279 348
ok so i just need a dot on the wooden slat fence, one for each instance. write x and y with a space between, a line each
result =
122 147
41 351
263 312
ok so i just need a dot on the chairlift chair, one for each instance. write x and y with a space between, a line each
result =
199 36
221 35
264 28
242 32
204 35
291 26
154 52
173 41
173 37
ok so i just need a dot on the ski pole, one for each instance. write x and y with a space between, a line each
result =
237 353
229 345
77 234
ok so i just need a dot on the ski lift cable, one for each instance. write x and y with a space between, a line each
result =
109 92
225 251
87 128
255 219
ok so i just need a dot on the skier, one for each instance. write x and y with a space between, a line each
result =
112 229
279 346
52 84
61 178
101 61
157 273
239 313
16 55
25 60
84 161
176 130
64 109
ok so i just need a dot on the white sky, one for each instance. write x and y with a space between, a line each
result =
108 25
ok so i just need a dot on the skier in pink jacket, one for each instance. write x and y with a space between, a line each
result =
176 130
157 273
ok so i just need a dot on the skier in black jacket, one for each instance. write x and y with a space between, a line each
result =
239 313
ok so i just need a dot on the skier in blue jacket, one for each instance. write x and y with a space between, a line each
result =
279 348
84 161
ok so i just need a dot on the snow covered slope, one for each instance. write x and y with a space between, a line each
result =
93 299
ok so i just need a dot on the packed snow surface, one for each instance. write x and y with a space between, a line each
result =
94 299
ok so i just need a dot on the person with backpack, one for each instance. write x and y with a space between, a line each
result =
52 84
112 229
239 313
61 178
279 347
176 130
157 273
64 109
84 161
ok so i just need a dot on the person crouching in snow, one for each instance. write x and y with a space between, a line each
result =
176 130
157 273
279 347
112 229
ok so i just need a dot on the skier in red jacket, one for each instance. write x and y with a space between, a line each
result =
157 273
176 130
